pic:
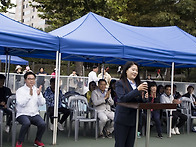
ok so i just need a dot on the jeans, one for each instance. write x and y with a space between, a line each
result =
26 121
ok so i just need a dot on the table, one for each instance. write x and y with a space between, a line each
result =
148 107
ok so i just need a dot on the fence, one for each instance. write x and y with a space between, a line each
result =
78 84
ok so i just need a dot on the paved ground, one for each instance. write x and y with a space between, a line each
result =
182 140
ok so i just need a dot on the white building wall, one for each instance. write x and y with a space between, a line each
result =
28 15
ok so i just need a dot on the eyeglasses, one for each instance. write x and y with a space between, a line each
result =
31 79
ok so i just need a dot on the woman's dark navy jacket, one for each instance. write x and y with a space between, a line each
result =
123 115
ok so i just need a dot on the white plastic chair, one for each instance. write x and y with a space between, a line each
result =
80 112
186 109
11 106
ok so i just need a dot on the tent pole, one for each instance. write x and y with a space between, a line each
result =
56 99
6 60
172 79
8 71
172 94
103 71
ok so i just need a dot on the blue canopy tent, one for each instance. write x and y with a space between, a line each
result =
22 40
14 60
93 38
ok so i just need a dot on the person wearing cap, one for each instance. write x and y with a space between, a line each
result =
18 69
28 69
92 76
18 72
189 94
5 92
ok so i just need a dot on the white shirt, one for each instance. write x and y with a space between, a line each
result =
92 76
27 104
167 99
133 85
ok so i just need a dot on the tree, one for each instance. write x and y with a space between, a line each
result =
6 4
61 12
180 13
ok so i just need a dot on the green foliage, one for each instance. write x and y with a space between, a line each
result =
134 12
6 4
180 13
60 12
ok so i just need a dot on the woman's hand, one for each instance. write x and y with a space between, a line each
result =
143 87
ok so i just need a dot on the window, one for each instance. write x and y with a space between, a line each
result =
32 16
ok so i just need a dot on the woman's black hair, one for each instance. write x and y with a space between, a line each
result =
92 82
124 73
111 83
151 84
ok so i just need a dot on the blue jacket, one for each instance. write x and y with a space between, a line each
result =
123 115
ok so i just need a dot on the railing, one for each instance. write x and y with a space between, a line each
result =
78 84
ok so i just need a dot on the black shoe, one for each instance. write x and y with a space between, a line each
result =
160 136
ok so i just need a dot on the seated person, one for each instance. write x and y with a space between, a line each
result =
49 96
154 98
4 95
102 102
167 98
160 90
113 93
177 94
28 100
92 86
191 96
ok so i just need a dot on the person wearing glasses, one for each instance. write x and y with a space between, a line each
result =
28 100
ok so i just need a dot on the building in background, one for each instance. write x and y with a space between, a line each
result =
28 15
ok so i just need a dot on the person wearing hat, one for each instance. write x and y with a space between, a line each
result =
18 72
92 76
28 69
5 92
189 94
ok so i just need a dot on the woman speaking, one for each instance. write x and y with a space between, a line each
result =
128 89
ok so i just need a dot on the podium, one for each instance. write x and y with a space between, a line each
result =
148 107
